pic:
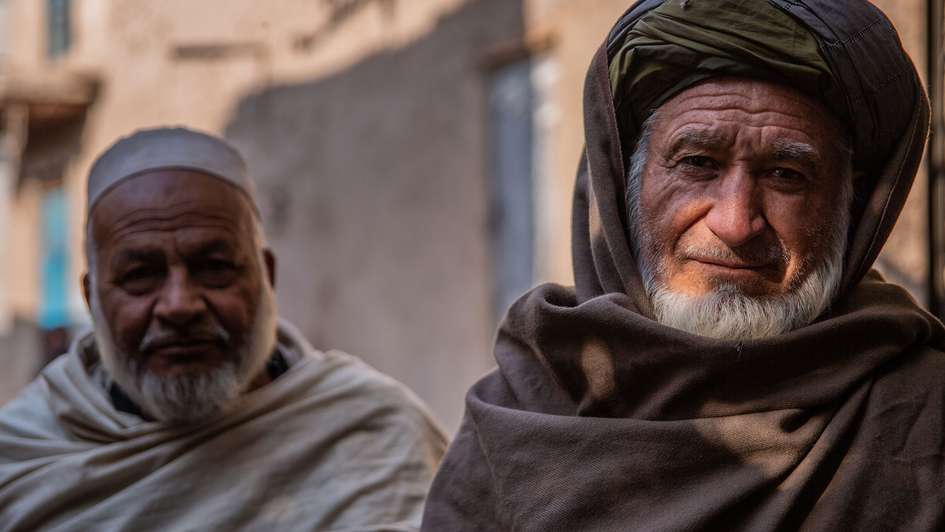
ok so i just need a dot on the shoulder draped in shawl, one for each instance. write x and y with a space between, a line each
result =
329 445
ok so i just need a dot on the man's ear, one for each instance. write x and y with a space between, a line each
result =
270 260
86 294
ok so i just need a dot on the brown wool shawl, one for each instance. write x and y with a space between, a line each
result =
599 418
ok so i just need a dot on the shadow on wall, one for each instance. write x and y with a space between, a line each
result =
374 195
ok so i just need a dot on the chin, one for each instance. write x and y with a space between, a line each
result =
756 288
735 310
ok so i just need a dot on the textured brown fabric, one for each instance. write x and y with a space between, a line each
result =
599 418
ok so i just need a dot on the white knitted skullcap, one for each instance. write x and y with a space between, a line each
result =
167 148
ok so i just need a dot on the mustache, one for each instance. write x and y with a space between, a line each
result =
758 254
154 339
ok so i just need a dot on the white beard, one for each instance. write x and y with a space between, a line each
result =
193 397
726 313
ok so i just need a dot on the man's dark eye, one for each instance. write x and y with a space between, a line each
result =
219 265
698 161
142 272
216 272
140 279
786 174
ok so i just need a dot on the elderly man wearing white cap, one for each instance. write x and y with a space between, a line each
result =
191 406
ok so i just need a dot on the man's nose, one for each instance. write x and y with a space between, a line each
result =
736 216
180 301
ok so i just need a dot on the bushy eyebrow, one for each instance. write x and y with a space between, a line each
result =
781 150
214 246
138 255
696 138
800 153
132 255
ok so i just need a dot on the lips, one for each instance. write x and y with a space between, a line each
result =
184 349
732 265
181 347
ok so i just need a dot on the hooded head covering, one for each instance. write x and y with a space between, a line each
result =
845 54
600 418
167 148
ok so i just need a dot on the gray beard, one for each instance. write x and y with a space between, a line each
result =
189 398
728 314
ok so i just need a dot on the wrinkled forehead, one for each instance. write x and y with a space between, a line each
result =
169 201
721 105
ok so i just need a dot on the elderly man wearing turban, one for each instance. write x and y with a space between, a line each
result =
727 359
191 407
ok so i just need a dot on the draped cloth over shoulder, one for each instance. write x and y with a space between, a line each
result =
329 445
599 418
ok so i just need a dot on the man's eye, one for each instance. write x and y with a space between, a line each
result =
219 265
138 273
139 280
698 161
786 174
217 273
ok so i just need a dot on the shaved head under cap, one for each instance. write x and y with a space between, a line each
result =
168 148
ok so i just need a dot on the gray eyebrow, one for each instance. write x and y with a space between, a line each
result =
798 152
698 138
125 256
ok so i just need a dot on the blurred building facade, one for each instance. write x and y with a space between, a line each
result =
415 160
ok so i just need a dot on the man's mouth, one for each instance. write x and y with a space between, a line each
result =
767 261
183 350
731 264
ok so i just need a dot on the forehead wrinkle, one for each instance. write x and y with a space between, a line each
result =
734 99
136 229
768 118
154 218
738 103
730 129
172 210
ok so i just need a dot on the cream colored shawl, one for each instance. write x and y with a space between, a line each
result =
329 445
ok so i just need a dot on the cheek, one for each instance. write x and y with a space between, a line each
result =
129 319
801 224
669 213
235 309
